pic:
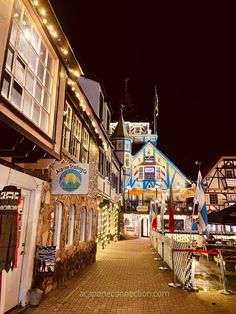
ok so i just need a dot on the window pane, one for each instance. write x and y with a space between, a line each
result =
26 25
13 34
10 55
27 105
16 94
48 81
35 40
30 82
44 121
49 64
46 101
38 92
42 52
40 71
36 113
23 47
32 59
17 10
20 70
6 85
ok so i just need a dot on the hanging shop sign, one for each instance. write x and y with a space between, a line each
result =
142 208
9 202
46 259
70 179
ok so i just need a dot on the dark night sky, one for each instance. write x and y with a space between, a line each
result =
186 48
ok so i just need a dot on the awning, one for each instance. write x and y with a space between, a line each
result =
225 216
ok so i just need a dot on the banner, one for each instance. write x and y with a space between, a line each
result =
9 201
70 179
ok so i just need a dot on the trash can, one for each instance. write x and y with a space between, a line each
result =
35 296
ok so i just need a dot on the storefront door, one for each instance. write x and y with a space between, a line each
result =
144 227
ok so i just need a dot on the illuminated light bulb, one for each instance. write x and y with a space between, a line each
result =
77 95
50 28
73 89
76 73
65 51
16 14
93 123
84 108
36 3
54 34
43 12
96 131
45 21
88 113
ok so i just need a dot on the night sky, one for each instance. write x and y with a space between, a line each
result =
187 49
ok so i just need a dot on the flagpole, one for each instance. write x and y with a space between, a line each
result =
198 163
155 112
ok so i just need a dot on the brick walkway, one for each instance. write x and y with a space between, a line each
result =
126 279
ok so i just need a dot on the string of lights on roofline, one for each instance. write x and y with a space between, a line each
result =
75 72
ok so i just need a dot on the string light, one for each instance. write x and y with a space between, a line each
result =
43 12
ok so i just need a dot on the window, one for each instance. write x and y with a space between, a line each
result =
70 225
101 106
90 233
213 199
27 70
108 120
57 224
85 146
137 130
83 221
140 173
75 137
101 162
127 160
229 173
67 126
149 173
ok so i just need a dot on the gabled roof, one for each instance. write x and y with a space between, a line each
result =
208 169
120 130
164 157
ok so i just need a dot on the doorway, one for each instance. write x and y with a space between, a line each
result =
144 227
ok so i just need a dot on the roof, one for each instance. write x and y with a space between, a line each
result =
120 130
225 216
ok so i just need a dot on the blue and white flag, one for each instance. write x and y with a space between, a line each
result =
199 199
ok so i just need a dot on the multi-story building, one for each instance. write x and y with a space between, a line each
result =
51 140
148 174
220 184
110 168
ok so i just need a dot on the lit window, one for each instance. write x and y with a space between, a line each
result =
57 224
70 225
127 160
29 67
140 173
90 233
213 199
83 221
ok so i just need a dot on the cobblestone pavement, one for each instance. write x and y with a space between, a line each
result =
126 279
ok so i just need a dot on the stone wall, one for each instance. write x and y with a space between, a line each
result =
69 259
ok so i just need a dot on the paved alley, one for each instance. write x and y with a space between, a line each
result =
126 279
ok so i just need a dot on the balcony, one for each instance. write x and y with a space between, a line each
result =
229 183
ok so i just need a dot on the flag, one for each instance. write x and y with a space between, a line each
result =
162 211
171 211
156 103
199 200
